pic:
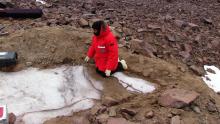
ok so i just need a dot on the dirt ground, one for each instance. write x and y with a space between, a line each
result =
49 47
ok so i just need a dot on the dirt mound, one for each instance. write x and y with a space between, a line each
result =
42 47
54 46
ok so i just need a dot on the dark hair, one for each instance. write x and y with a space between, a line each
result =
98 25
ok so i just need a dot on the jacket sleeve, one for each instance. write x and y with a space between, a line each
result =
91 51
112 61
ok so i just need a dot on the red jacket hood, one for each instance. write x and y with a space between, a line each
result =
104 32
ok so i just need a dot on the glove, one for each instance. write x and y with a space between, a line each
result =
107 73
86 59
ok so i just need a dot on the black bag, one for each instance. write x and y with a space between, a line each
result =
21 13
8 59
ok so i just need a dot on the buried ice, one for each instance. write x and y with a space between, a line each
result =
37 95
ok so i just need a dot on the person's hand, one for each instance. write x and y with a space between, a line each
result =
107 73
86 59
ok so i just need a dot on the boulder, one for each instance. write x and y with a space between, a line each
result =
177 98
139 46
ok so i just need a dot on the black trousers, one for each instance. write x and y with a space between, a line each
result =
118 69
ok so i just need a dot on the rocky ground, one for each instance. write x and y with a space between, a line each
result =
164 41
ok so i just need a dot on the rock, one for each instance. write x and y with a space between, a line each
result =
193 26
211 107
29 64
149 115
168 18
175 120
177 98
198 38
197 70
6 3
207 21
129 111
140 116
154 27
182 69
109 101
98 109
4 33
180 23
100 3
170 37
112 112
127 31
11 118
184 54
1 27
139 30
139 4
119 121
83 23
102 118
80 120
215 43
211 71
139 46
176 112
196 109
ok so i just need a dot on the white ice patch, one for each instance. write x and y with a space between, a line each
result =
41 1
37 95
134 84
212 80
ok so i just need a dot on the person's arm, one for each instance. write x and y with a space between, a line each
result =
112 48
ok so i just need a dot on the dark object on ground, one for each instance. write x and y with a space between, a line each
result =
21 13
8 59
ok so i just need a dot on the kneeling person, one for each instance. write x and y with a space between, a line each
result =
104 49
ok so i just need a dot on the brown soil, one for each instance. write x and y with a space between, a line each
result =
53 46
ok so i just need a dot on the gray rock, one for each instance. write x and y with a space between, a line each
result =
211 107
180 23
170 38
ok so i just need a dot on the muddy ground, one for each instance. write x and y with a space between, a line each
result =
179 35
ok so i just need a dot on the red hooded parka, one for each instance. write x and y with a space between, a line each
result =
104 49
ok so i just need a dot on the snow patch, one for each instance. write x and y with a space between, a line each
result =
37 95
212 80
41 1
134 84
